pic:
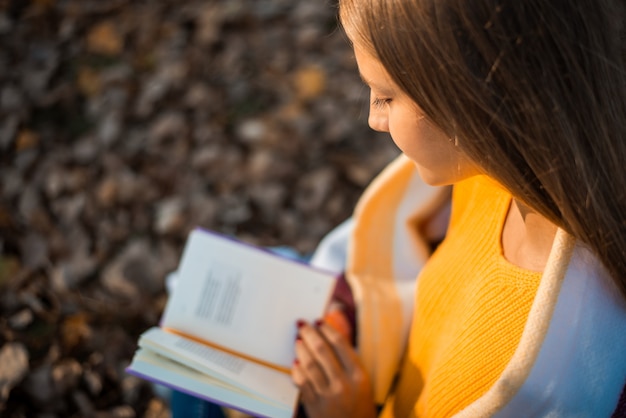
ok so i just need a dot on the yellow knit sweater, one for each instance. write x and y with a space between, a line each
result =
471 308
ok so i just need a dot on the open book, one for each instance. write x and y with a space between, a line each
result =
228 331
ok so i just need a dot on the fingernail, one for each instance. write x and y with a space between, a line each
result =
298 338
318 323
300 323
296 362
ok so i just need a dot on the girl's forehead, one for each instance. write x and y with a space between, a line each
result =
351 21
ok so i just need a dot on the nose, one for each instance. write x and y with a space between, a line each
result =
378 119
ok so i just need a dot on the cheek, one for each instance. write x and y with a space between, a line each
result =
438 160
417 138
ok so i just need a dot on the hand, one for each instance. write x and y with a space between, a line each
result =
331 378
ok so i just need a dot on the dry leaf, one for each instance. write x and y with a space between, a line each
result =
9 267
75 329
26 139
310 82
6 218
45 3
89 82
105 39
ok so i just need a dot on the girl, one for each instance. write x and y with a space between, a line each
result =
521 309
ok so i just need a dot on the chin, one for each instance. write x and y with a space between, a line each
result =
447 174
436 179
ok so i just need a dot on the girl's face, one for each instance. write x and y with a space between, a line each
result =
439 161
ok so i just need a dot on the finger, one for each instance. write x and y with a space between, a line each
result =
310 368
307 392
308 396
322 351
346 355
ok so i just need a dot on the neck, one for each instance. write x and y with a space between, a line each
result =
527 237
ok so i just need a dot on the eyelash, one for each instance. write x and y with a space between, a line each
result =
380 103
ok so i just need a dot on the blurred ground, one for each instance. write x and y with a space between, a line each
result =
124 124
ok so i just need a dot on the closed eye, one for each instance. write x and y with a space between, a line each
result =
380 103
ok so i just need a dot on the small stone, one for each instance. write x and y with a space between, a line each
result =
123 411
269 197
170 217
8 130
68 209
209 24
136 271
313 188
38 385
6 25
83 403
360 174
308 36
34 248
205 157
203 210
110 129
43 60
199 95
131 388
129 189
13 367
252 130
67 29
86 150
21 320
234 210
93 381
168 126
170 76
54 182
65 375
261 164
11 98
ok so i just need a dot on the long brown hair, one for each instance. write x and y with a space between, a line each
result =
535 91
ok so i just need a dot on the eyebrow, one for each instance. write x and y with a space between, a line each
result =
370 84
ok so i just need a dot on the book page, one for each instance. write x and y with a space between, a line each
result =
257 380
244 298
151 366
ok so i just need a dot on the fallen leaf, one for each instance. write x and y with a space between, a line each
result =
105 39
9 267
89 81
309 82
75 329
26 139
